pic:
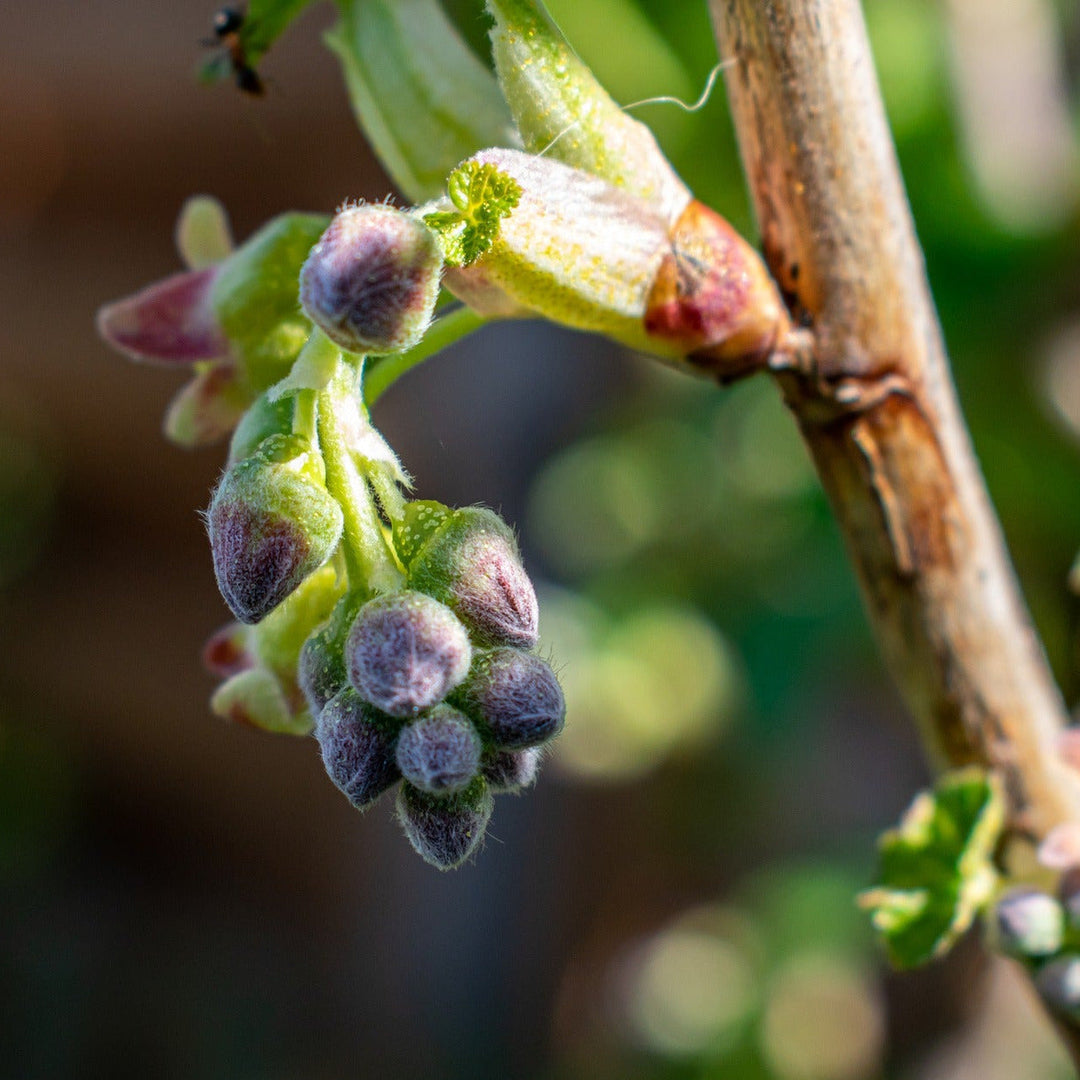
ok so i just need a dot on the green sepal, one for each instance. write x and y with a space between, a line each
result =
263 419
423 100
937 869
417 523
256 698
255 297
482 196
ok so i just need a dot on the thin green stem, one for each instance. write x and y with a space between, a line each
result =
304 414
368 557
444 331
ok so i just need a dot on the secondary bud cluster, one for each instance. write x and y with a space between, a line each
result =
1043 932
436 684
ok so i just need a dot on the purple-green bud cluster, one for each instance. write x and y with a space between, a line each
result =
435 684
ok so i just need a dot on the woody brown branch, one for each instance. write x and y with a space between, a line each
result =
874 398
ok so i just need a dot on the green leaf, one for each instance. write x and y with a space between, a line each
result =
482 196
424 100
264 23
937 867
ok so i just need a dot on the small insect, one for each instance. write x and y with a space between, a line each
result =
228 23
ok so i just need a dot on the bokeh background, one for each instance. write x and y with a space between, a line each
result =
184 898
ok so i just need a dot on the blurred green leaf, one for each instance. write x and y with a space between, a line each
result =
936 867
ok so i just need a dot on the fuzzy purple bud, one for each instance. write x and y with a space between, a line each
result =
512 771
439 752
357 746
271 524
515 697
470 562
445 831
371 281
406 652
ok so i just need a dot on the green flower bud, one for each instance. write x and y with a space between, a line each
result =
405 652
515 697
1058 983
470 562
420 519
512 771
446 830
357 746
321 672
1027 924
439 752
371 281
271 524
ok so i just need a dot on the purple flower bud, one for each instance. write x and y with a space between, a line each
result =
271 524
1058 982
321 672
406 652
445 831
1027 924
515 697
371 281
357 747
470 562
439 752
512 770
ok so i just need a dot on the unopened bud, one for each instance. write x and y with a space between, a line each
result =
321 671
470 562
406 652
516 698
445 831
271 524
357 747
512 771
439 752
1027 924
255 697
371 281
1058 982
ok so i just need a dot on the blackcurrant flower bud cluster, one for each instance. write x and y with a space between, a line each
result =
436 685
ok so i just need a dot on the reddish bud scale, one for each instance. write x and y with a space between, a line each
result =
713 296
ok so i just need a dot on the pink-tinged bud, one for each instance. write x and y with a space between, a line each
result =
371 282
169 322
713 296
439 752
357 746
515 697
208 407
406 652
470 562
445 830
511 771
271 524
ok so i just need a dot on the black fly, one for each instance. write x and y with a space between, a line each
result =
228 23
